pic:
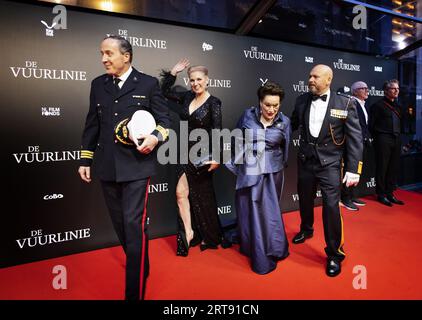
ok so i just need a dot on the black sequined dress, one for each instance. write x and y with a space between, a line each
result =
203 206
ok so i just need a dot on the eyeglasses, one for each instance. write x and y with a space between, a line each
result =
394 89
363 88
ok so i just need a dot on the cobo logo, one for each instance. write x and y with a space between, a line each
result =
53 196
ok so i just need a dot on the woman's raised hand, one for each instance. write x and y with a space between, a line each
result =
180 66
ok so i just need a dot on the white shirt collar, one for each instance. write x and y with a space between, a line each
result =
361 102
125 75
317 114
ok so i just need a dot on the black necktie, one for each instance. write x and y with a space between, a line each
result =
322 97
116 84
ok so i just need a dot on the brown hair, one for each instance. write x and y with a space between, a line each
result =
271 89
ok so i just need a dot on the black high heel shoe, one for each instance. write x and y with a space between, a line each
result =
182 244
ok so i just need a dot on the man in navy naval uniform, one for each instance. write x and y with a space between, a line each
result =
123 167
328 124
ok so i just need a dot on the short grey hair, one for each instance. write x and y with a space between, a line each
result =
357 85
388 83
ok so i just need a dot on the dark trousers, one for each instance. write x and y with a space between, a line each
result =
387 156
126 202
310 174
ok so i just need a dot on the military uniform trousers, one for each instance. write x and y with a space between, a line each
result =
127 202
310 174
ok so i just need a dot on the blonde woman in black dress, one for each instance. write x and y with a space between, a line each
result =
198 216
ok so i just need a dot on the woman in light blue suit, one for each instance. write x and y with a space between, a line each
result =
261 156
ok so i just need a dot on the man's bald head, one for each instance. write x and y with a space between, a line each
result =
320 79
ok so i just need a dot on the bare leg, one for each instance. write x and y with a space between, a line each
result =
182 196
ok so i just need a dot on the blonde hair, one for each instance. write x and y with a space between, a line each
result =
202 69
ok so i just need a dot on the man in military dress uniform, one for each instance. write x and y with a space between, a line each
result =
124 166
328 123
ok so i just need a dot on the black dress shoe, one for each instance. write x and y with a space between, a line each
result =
204 246
333 268
384 201
225 243
349 205
301 237
393 199
359 202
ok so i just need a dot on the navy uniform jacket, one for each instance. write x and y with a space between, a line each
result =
340 129
114 161
260 155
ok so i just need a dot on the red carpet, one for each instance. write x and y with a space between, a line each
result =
383 240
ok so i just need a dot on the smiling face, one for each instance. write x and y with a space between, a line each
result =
320 79
198 81
115 62
269 107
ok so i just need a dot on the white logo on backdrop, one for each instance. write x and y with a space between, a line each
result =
371 183
346 66
300 87
37 238
142 42
50 111
53 196
377 93
309 59
158 187
32 71
377 69
214 83
224 210
59 21
35 155
206 47
263 81
253 53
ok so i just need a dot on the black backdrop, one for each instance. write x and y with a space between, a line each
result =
45 80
